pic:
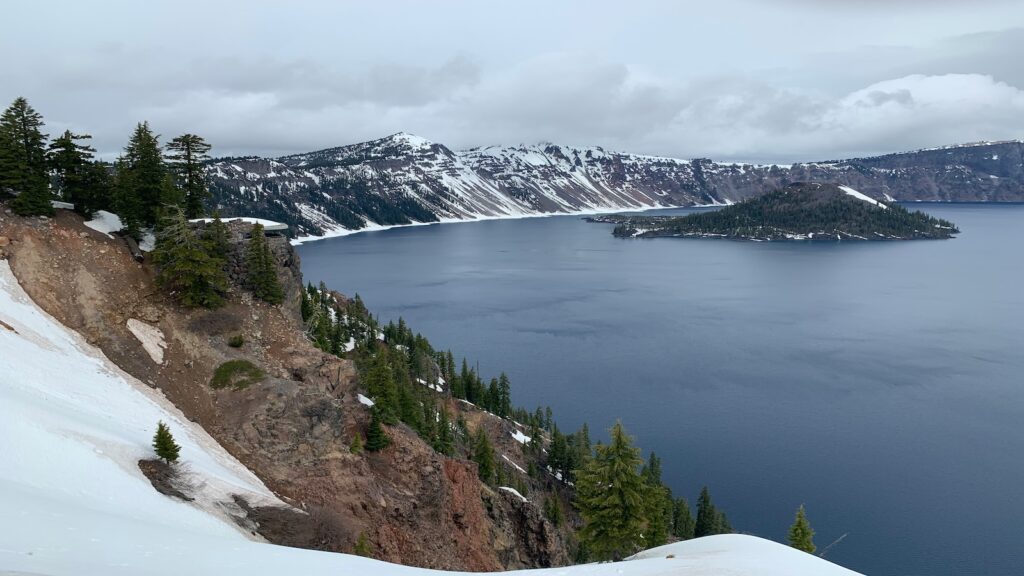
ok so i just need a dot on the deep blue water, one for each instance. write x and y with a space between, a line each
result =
880 384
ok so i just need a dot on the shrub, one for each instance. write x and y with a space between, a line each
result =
238 374
236 341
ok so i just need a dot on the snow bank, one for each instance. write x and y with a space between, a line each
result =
73 426
151 337
105 222
519 437
268 225
513 492
365 401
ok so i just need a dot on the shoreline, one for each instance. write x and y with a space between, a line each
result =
342 232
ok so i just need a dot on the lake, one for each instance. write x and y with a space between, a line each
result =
881 384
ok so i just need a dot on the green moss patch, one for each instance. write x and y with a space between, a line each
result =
237 374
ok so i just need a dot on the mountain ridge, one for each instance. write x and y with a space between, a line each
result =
404 179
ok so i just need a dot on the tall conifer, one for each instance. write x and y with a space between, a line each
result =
185 268
483 455
23 167
610 497
73 171
261 269
142 185
376 438
187 155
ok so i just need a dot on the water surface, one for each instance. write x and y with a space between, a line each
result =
880 384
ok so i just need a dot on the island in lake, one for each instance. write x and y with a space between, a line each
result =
799 211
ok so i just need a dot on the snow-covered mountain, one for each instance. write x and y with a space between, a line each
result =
73 426
404 179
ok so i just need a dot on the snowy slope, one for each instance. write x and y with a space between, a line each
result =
73 502
404 179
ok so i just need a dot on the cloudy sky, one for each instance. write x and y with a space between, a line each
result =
756 80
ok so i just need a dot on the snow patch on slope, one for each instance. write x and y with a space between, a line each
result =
151 338
105 222
860 196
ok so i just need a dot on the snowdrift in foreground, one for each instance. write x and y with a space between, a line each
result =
73 502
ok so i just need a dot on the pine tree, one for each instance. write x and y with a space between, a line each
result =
710 520
683 523
376 438
445 442
186 156
356 447
261 269
72 167
185 268
801 536
504 402
217 238
142 185
659 504
610 497
553 510
23 167
483 455
363 547
164 445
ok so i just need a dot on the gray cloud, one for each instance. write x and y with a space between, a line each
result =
767 81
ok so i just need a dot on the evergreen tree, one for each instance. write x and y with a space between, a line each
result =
553 510
164 445
445 443
706 515
610 496
72 167
217 238
261 269
186 156
356 446
504 400
801 536
659 504
483 455
710 520
185 268
363 547
23 167
142 185
376 438
683 523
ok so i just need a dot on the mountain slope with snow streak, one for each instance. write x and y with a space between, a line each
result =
404 179
72 426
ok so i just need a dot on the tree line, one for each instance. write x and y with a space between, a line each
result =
149 187
144 180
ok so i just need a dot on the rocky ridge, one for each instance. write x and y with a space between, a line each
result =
404 179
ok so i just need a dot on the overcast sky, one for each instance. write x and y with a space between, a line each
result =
757 80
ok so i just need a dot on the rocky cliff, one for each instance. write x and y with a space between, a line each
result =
403 179
293 427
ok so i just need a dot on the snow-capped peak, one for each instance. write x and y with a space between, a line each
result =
411 140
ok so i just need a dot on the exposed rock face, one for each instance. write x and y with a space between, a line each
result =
292 429
403 178
289 270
